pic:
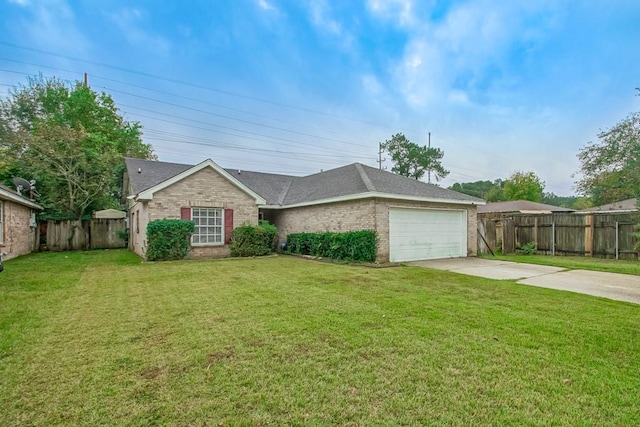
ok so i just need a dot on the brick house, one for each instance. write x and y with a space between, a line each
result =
18 227
413 220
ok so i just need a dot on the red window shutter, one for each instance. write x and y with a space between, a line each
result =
228 225
185 213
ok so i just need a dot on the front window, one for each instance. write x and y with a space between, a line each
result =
209 226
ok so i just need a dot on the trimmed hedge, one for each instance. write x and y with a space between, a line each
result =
351 246
250 240
168 239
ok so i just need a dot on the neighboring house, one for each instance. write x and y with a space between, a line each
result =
629 205
499 209
413 220
18 227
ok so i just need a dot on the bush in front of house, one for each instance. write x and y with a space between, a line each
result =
253 240
168 239
360 246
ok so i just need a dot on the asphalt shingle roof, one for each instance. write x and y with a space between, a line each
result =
286 190
520 205
621 206
144 174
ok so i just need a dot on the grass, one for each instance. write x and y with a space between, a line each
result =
98 338
576 263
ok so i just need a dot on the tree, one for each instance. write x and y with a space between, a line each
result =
413 160
523 186
571 202
610 168
481 189
71 140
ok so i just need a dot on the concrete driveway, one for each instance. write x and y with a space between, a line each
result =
621 287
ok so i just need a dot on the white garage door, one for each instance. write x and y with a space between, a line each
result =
416 234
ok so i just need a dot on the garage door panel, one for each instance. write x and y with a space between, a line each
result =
426 234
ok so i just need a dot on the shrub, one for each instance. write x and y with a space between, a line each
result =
351 246
528 249
168 239
250 240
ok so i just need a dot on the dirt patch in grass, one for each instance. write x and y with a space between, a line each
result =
151 373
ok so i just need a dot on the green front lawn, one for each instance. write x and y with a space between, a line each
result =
97 338
576 263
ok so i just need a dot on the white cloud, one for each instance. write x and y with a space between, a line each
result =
401 11
264 5
51 25
321 18
469 45
458 97
131 22
372 85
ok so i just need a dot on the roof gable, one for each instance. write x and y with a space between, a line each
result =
144 174
148 193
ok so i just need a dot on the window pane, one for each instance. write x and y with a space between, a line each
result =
208 223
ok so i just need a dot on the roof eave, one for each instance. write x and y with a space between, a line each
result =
19 199
375 194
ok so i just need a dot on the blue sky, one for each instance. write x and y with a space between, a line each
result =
298 86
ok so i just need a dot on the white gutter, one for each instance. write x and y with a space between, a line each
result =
19 199
375 194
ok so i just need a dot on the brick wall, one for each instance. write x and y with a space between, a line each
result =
19 237
205 188
334 217
367 214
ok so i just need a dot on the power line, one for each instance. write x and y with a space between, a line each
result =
189 84
218 126
205 140
213 114
231 118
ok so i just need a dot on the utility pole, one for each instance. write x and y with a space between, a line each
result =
429 170
86 79
380 159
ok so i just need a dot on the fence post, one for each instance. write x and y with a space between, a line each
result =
535 231
553 238
617 248
588 235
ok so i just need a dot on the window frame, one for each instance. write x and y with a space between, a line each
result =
198 227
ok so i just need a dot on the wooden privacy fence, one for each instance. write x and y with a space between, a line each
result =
608 235
99 233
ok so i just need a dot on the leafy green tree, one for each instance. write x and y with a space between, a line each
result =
565 201
71 140
523 186
412 160
480 189
610 168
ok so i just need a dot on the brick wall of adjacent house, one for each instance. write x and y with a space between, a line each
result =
367 214
205 188
19 238
382 215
